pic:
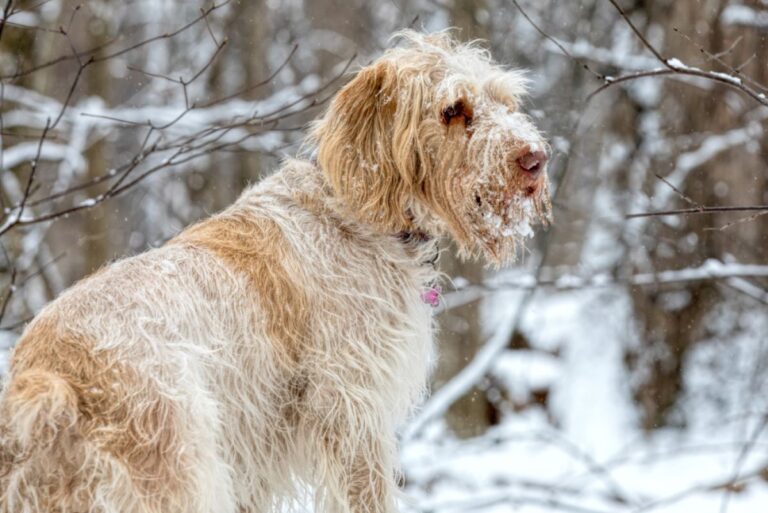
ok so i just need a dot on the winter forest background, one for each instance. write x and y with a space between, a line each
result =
622 366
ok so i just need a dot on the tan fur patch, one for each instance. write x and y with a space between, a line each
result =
359 136
117 411
256 248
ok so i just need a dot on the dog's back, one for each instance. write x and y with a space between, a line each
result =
106 408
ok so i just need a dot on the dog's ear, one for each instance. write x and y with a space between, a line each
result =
366 145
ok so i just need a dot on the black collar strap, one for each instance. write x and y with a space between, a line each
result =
419 237
415 236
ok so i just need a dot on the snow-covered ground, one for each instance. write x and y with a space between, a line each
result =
586 454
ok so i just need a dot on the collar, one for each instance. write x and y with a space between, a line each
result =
416 236
419 239
406 236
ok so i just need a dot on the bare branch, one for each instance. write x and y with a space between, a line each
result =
6 14
12 222
698 210
710 270
611 81
718 58
746 219
638 33
674 66
250 88
15 285
556 42
91 52
166 35
677 191
8 294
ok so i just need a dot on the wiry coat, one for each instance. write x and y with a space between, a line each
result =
270 340
273 349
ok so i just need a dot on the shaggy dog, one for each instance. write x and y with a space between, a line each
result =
274 349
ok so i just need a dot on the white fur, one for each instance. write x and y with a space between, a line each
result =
190 328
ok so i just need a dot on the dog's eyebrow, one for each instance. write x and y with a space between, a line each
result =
500 91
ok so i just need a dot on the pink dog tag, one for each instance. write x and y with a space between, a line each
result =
431 295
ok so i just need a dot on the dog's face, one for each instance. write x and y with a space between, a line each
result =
430 138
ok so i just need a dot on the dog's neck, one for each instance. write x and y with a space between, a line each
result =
303 183
409 236
300 184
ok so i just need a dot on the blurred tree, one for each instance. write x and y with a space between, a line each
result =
461 329
674 318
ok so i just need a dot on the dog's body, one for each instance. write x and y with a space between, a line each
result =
200 375
275 347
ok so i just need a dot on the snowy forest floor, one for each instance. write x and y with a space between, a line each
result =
587 454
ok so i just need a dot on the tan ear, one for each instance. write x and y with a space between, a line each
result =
356 141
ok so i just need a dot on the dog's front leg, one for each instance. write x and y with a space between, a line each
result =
356 469
372 487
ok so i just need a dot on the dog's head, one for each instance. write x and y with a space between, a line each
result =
429 137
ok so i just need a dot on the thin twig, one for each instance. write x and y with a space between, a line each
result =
612 81
6 14
253 86
8 294
30 180
98 48
718 58
678 191
746 219
556 42
698 210
638 33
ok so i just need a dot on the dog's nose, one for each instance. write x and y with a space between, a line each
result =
532 161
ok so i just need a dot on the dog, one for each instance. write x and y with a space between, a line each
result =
271 352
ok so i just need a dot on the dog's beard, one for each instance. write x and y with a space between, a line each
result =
504 204
487 216
502 208
481 198
501 221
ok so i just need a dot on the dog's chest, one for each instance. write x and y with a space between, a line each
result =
368 307
377 290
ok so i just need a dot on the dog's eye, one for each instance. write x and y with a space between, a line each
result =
459 111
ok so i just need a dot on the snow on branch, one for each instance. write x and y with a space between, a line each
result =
581 51
485 358
710 270
671 66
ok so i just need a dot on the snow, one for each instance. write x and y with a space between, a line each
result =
580 449
439 403
744 15
593 459
27 151
88 202
522 371
7 339
678 65
568 279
